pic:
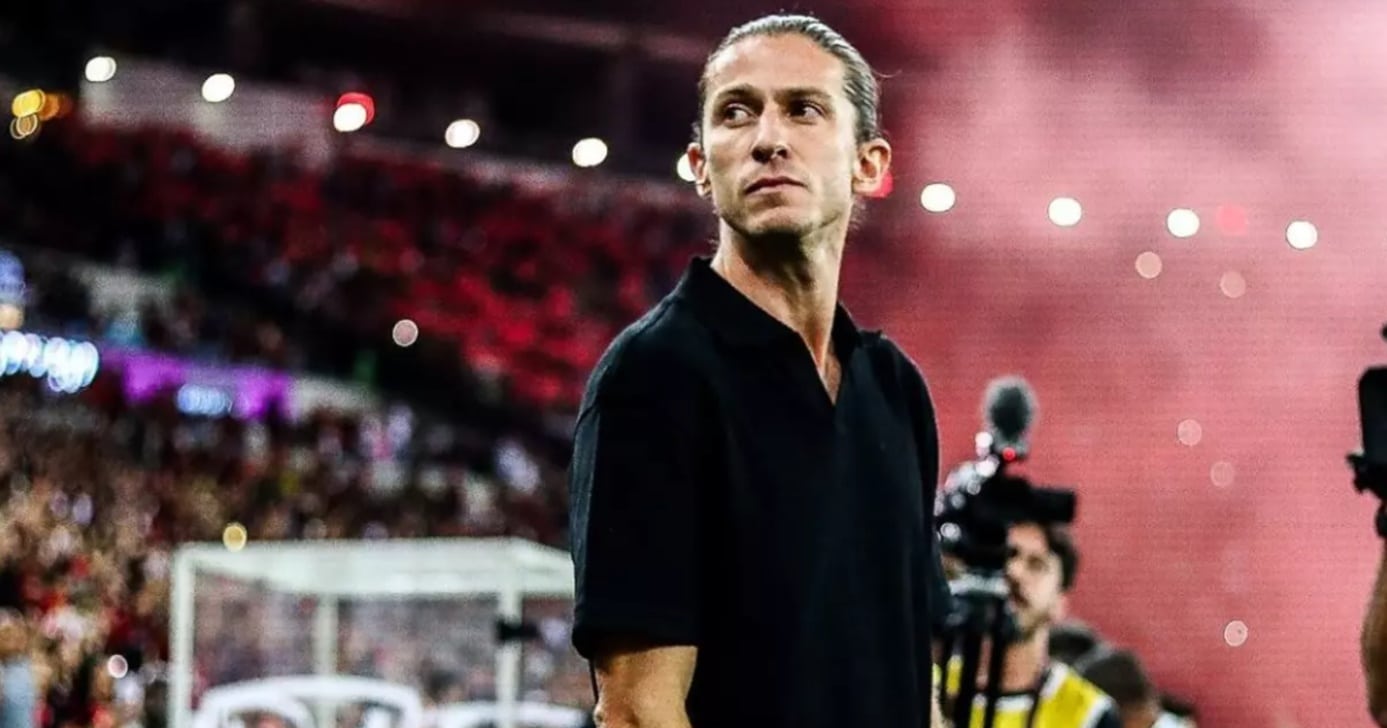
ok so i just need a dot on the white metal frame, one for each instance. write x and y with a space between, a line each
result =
505 568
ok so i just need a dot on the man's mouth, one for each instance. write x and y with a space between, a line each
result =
771 183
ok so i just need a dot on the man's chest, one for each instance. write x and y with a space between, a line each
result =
801 472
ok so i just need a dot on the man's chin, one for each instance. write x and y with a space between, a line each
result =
777 229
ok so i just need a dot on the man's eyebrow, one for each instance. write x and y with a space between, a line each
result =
745 90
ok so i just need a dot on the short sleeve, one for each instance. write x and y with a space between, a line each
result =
636 510
926 429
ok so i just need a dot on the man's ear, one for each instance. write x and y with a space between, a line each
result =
870 168
699 164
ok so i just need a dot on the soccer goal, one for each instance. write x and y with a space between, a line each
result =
377 634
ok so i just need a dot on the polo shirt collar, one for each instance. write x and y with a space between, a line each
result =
733 317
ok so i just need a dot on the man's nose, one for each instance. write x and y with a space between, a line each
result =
770 139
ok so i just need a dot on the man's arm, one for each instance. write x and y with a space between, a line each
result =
1375 646
637 483
644 687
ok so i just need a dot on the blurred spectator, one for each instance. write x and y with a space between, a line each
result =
1120 674
18 692
1071 641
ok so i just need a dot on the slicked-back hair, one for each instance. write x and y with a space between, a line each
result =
859 80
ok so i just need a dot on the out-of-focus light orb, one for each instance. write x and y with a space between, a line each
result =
101 69
234 537
349 118
218 88
1222 474
405 332
1066 211
1231 219
683 168
1235 633
1232 284
24 127
1190 432
938 197
117 667
589 152
462 134
1302 235
27 103
1149 265
1182 222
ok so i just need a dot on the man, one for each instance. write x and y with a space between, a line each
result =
1037 691
753 476
1120 674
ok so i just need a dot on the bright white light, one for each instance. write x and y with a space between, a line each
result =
1235 634
683 168
1182 223
1302 235
462 133
1190 433
405 333
218 88
349 118
117 667
938 197
1065 211
101 69
1149 265
1232 284
589 152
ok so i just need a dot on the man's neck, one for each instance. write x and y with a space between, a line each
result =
1026 662
798 288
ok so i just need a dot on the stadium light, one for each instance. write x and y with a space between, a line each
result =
1302 235
101 69
27 103
1149 265
218 88
938 197
589 152
404 333
349 118
1182 223
683 168
1065 211
462 133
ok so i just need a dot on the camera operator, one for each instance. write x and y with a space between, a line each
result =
1037 691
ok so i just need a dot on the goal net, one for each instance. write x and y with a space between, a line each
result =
375 634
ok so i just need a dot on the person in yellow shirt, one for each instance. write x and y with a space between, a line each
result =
1036 691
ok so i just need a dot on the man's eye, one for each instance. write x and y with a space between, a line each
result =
735 112
806 108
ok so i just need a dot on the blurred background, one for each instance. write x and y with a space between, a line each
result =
300 270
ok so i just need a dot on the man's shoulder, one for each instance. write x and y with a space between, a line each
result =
659 352
891 361
1087 700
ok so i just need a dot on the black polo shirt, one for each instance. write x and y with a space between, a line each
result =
720 499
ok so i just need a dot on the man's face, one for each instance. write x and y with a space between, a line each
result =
779 158
1036 577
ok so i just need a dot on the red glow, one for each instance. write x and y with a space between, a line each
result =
1232 219
356 97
